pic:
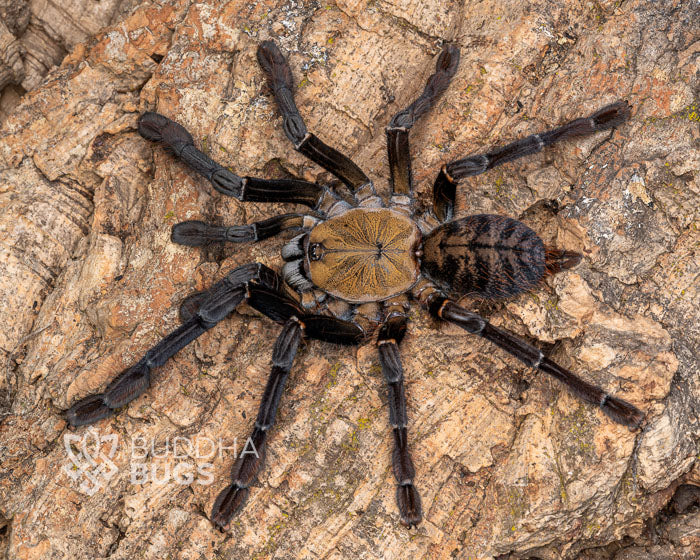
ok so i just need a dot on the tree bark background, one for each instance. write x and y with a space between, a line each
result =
509 464
35 36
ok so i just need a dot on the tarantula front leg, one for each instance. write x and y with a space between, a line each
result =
445 188
401 181
619 410
222 299
158 128
279 77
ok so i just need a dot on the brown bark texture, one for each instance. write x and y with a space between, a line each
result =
35 36
509 464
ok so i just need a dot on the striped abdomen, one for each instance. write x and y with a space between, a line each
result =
484 255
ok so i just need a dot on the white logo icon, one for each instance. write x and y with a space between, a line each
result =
90 465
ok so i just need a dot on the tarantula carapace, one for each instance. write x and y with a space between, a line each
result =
353 268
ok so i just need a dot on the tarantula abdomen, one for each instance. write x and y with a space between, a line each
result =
485 255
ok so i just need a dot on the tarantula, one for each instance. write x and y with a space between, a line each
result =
353 268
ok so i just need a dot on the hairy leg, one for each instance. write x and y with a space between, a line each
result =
279 77
232 498
618 409
196 233
407 497
445 187
401 181
390 335
254 283
176 138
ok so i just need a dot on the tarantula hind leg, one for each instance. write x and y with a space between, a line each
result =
445 187
619 410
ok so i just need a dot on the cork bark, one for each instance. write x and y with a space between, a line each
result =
509 464
35 36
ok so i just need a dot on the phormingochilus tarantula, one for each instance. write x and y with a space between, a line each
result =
354 267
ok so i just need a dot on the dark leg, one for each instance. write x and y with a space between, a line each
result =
267 296
195 233
397 132
445 185
259 286
176 138
222 299
619 410
407 497
279 78
232 498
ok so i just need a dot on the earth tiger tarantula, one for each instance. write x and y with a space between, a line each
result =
353 268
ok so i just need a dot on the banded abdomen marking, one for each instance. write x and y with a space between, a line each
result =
486 255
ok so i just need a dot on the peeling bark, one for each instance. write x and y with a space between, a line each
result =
35 36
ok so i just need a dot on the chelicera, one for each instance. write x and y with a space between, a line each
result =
354 267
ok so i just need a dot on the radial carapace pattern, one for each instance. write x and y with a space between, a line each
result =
365 255
352 269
